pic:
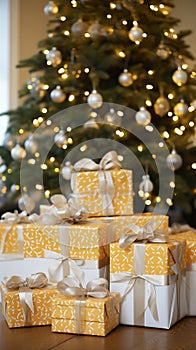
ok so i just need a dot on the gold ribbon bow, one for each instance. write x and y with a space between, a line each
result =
144 234
106 185
25 286
10 219
61 211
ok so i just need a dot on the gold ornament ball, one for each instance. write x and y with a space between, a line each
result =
163 52
161 106
180 109
180 77
125 78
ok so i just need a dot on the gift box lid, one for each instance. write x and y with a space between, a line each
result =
190 238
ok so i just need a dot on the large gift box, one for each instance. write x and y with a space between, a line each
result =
88 315
190 249
104 188
25 306
151 280
120 223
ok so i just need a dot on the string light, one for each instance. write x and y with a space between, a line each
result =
63 18
169 202
166 134
83 148
9 170
38 187
140 148
158 199
69 129
71 98
112 6
148 202
52 159
56 129
170 96
161 144
37 154
70 140
47 194
149 128
193 166
124 22
154 156
149 87
150 72
66 33
31 161
175 118
191 124
44 166
21 131
172 184
178 131
56 170
148 103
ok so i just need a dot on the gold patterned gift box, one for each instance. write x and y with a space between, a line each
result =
121 222
97 316
190 248
151 279
87 185
16 309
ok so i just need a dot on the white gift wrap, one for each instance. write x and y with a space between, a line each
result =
171 306
191 292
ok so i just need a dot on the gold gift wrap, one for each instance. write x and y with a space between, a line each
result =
159 258
121 222
89 240
87 185
14 313
9 241
88 315
190 248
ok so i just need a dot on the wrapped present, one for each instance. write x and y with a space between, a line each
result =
91 310
149 272
121 222
190 249
104 188
27 302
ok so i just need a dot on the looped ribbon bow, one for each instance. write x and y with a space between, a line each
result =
61 211
24 287
147 233
106 185
10 219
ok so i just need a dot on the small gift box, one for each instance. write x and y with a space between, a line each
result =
104 188
27 302
91 310
149 273
190 249
141 219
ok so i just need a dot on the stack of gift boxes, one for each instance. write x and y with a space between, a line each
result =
105 264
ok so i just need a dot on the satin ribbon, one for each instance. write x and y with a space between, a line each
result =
24 287
177 228
11 219
147 233
106 185
61 211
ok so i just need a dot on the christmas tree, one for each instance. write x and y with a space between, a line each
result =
127 52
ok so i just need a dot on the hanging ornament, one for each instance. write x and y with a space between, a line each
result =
14 188
51 8
91 124
174 160
161 106
37 90
8 142
180 77
143 116
95 100
57 95
54 57
111 117
95 30
66 171
181 109
125 78
31 145
60 138
26 203
136 33
146 184
79 28
18 152
163 51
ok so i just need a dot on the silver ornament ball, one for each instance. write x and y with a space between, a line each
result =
66 171
37 90
18 152
174 160
95 30
143 116
54 56
180 77
161 106
79 28
95 100
60 138
146 185
135 34
163 52
51 8
57 95
125 78
31 145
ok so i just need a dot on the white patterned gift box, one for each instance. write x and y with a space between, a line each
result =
151 278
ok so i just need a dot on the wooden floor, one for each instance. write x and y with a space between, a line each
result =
182 336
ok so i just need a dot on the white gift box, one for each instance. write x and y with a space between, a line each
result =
191 292
170 302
